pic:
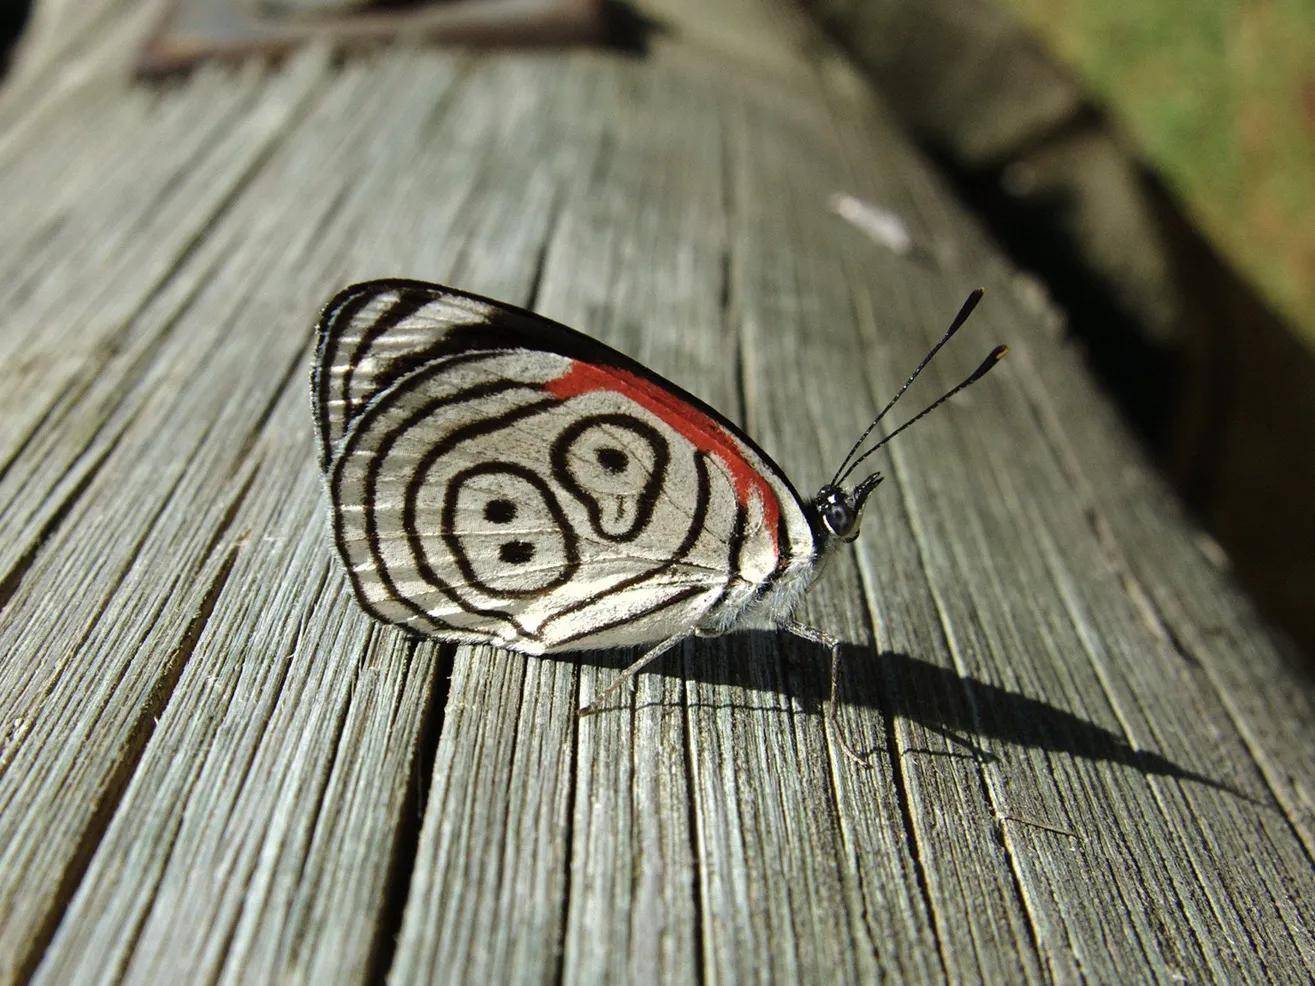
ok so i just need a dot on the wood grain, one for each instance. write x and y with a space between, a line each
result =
1090 759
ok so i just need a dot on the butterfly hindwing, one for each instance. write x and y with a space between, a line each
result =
498 477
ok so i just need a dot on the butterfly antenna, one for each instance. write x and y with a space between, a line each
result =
964 312
996 355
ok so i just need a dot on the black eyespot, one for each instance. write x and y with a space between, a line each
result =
516 552
612 459
499 511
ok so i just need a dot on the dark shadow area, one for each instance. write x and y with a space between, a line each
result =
961 709
13 19
628 30
1221 404
1143 373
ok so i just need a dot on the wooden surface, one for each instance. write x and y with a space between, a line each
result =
1091 761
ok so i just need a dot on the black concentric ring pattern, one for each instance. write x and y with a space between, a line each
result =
567 462
511 499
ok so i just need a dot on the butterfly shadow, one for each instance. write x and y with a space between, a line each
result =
960 708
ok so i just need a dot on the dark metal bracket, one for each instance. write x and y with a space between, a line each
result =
196 30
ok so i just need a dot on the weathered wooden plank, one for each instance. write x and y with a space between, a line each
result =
115 632
488 893
794 255
1022 584
65 404
1155 700
1182 587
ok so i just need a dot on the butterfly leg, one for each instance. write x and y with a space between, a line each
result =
824 639
975 751
647 658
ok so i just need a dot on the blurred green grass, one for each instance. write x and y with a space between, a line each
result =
1219 96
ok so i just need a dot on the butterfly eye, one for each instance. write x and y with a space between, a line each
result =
839 518
836 512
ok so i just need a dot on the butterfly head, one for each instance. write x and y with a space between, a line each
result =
840 511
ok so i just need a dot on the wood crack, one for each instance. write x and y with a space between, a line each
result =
229 933
896 753
107 597
1012 862
696 855
572 782
406 843
14 577
116 784
339 730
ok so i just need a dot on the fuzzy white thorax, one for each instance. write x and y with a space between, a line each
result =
777 605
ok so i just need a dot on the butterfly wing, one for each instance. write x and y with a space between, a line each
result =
498 477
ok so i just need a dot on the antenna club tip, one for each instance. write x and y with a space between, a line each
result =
992 358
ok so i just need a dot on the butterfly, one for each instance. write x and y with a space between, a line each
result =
498 478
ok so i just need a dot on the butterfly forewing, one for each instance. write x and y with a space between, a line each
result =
498 477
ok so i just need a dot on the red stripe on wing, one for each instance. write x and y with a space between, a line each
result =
705 433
